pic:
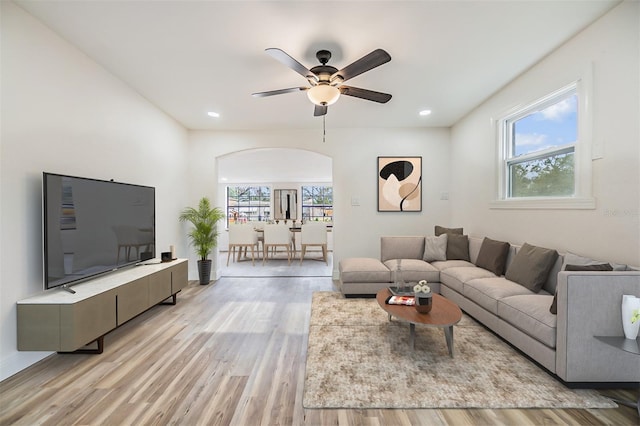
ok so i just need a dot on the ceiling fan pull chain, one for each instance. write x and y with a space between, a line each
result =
324 128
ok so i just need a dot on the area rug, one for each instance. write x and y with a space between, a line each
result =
357 358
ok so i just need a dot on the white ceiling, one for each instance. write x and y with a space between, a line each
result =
190 57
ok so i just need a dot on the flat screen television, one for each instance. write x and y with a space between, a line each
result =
93 226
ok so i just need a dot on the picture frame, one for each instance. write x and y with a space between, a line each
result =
399 184
285 204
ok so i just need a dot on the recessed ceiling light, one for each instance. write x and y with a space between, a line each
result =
425 112
213 114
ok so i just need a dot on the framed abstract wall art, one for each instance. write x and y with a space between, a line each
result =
399 184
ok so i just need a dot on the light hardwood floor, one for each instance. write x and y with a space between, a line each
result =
232 352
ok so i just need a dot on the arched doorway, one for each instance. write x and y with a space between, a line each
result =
271 169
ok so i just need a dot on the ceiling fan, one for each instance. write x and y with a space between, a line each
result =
326 81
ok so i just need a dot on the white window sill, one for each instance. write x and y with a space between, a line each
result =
559 203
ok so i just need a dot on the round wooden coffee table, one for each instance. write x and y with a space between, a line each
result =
444 314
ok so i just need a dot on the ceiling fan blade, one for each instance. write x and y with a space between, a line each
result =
320 110
366 63
284 58
369 95
279 92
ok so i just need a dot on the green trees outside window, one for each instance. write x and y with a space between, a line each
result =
317 203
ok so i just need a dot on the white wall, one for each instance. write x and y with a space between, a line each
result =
357 229
63 113
611 231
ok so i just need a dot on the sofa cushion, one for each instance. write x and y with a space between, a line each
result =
439 230
493 255
454 278
602 267
435 248
475 244
531 265
531 315
487 291
401 247
457 247
363 270
446 264
413 270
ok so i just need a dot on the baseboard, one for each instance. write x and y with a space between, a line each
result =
18 361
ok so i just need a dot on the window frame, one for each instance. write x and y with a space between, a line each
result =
323 206
581 198
237 185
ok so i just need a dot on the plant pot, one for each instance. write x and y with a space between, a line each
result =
424 302
204 271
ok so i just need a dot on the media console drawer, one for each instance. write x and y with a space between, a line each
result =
56 320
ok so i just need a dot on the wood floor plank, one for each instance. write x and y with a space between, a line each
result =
229 353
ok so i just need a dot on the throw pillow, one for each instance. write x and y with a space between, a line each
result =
435 248
493 256
602 267
439 230
457 247
575 259
531 265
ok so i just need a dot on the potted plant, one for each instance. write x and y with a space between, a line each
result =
204 234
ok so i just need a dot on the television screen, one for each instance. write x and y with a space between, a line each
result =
94 226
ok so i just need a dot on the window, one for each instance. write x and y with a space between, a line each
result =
248 203
544 153
317 203
540 148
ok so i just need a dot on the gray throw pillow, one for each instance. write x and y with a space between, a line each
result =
601 267
493 256
531 265
439 230
575 259
457 247
435 248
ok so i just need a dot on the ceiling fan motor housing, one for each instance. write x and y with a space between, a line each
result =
324 72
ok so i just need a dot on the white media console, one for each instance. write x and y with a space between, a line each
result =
57 320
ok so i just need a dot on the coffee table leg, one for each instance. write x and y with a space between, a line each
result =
412 335
448 334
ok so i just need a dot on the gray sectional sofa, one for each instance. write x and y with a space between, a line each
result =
587 303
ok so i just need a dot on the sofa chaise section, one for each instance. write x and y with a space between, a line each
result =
363 276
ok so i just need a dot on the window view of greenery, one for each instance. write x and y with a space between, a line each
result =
539 178
541 142
248 203
317 203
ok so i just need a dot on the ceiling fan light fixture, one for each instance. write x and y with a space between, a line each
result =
323 94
